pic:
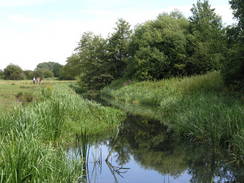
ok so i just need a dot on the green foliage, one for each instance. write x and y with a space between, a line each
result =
13 72
99 61
31 136
29 74
71 69
93 63
198 107
26 159
43 73
53 67
1 74
238 7
158 48
206 44
233 69
118 48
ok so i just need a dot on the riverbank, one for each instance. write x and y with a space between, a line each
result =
199 107
32 137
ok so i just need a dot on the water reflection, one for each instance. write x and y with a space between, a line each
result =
145 151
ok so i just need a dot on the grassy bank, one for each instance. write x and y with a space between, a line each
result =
199 107
32 136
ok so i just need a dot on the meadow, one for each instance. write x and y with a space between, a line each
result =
197 107
13 92
33 136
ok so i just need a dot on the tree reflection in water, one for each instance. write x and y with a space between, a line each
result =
155 147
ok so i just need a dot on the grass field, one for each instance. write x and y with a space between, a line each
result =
9 91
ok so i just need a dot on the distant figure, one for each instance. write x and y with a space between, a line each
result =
34 80
38 80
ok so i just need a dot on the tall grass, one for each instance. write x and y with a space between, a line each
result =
31 137
199 107
28 160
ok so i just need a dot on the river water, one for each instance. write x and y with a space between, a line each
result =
145 151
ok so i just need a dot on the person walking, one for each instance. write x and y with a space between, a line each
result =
34 80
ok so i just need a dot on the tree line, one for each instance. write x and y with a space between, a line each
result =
169 46
42 70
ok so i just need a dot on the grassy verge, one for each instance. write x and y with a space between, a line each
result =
199 107
32 136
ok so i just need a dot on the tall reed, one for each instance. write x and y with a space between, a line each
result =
30 137
199 107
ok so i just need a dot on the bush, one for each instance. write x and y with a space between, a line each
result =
1 74
233 70
13 72
43 73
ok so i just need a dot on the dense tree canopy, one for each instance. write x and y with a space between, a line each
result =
29 74
99 61
206 42
54 67
93 62
233 70
169 46
43 73
118 48
71 69
13 72
158 48
238 7
1 74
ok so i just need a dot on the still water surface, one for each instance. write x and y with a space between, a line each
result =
144 151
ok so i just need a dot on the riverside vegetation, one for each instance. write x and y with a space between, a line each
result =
32 136
199 107
187 73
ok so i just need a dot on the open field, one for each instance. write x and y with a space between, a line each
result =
9 90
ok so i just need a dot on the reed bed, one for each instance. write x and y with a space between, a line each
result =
32 136
199 107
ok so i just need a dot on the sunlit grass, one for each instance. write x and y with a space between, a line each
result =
10 88
199 107
32 136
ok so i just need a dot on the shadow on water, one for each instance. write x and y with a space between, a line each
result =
145 151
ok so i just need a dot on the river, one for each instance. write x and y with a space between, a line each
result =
145 151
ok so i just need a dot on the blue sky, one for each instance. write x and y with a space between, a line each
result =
34 31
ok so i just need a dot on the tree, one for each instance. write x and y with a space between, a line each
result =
158 48
238 11
13 72
72 68
51 66
117 48
206 43
233 70
1 74
94 73
43 73
29 74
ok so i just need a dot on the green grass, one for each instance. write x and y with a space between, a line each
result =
9 89
199 107
32 137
